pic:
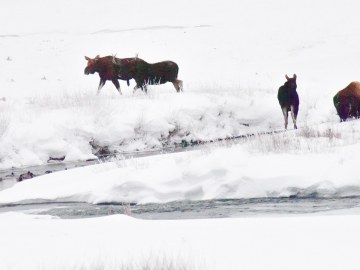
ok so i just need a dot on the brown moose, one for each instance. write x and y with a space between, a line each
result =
106 69
148 74
347 101
289 99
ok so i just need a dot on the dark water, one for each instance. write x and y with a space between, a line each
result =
197 209
8 177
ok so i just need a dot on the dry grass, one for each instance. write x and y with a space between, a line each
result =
310 132
306 139
157 263
4 120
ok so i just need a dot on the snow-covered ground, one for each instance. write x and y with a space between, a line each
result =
306 163
121 242
233 56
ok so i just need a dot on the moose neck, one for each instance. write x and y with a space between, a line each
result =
288 86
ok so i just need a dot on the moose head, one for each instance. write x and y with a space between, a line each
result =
291 82
92 65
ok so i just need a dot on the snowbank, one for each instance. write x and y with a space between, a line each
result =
121 242
319 162
55 126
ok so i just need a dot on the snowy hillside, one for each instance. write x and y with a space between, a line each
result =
233 56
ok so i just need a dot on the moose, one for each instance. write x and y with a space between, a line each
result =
107 72
289 99
147 74
347 101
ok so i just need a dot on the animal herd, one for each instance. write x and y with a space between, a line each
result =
113 69
110 68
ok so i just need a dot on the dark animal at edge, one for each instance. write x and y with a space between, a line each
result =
347 101
107 72
289 99
148 74
25 176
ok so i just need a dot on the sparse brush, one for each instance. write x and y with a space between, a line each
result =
157 263
4 123
306 139
309 132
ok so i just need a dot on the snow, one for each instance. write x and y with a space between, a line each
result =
299 164
232 59
121 242
233 56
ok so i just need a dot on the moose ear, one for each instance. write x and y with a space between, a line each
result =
287 77
294 76
87 58
97 57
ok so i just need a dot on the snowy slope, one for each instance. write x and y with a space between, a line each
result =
319 162
232 55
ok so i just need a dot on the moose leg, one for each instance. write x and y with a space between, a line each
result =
144 88
285 113
136 88
180 82
178 85
356 110
140 84
293 116
117 85
101 84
